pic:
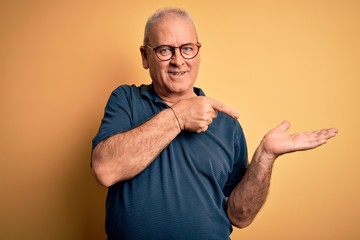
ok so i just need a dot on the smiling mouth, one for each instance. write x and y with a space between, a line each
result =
177 73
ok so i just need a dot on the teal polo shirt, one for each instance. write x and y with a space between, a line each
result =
182 193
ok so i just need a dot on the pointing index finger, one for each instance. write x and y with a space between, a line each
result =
222 107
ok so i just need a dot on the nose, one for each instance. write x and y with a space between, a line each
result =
177 59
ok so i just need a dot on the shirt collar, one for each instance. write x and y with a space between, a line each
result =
149 92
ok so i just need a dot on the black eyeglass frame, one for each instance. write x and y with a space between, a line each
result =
198 45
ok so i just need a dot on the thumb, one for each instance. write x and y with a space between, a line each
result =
284 126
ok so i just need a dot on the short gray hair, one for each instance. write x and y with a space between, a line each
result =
159 14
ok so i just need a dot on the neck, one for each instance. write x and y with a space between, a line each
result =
172 98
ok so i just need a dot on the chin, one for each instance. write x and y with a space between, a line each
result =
180 87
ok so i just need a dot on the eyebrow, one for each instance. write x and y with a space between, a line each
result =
174 46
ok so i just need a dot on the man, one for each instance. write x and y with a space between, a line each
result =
175 161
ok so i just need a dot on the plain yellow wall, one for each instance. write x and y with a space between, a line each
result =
271 60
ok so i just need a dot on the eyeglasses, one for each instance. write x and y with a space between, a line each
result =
166 52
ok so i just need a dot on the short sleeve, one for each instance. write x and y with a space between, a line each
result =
117 115
240 164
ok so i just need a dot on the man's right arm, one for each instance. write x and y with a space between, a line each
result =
126 154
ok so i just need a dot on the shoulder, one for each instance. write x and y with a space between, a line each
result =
127 92
126 89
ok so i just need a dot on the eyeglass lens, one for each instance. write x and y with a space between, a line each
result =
187 51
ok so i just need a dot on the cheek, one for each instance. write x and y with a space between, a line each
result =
157 66
157 72
195 67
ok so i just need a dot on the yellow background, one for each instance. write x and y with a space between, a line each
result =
271 60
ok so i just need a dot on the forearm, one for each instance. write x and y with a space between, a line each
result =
124 155
250 194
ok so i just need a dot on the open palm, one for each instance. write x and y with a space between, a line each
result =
277 142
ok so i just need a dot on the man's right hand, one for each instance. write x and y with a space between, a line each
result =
197 113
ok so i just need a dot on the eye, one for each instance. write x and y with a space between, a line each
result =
164 50
187 49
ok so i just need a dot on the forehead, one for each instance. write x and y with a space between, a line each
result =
172 30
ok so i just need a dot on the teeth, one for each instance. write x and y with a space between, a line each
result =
176 73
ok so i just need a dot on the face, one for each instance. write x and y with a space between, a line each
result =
174 78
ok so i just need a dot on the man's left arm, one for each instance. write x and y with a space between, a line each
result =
250 194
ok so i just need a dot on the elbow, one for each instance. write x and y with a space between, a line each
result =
101 177
104 174
240 218
109 170
240 223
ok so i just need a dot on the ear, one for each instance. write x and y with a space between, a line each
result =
144 57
